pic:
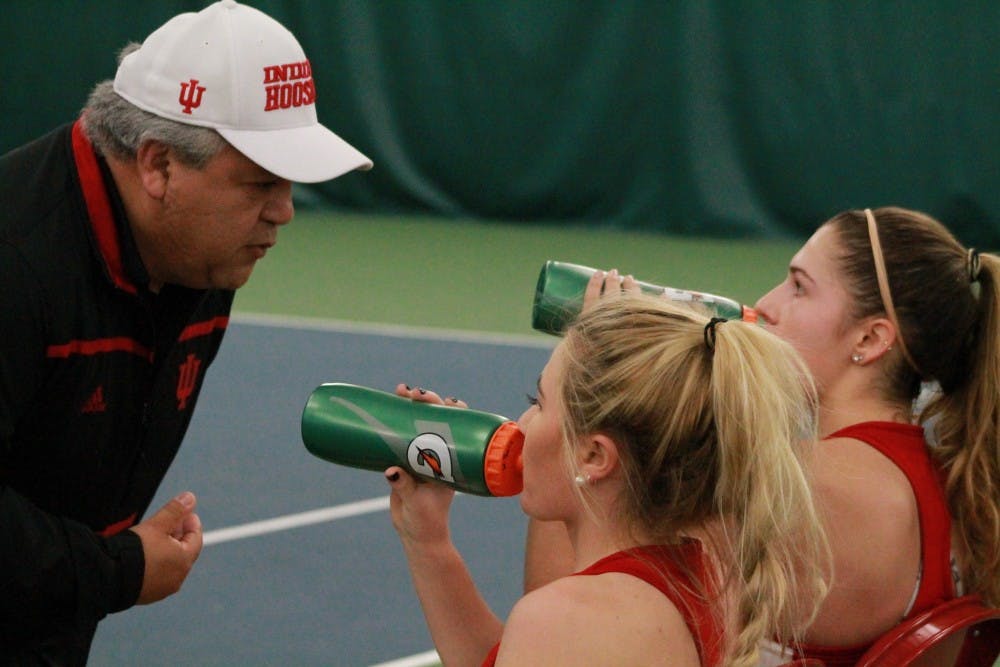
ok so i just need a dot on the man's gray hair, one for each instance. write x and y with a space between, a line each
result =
117 128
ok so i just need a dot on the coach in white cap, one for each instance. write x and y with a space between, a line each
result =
122 238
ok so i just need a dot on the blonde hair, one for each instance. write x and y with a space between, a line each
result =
712 425
947 300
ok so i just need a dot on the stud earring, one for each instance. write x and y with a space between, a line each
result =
857 358
581 480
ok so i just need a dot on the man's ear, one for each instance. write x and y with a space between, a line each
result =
153 166
599 457
877 336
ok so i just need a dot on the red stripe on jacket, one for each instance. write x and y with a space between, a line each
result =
203 328
118 526
98 346
99 209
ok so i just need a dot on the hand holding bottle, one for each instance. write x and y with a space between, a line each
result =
606 284
420 511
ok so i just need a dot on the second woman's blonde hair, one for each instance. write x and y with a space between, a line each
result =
713 422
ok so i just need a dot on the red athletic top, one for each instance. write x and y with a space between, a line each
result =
905 446
681 572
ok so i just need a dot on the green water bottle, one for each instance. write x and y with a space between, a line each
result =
560 288
471 451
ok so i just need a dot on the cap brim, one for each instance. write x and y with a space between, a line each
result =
300 154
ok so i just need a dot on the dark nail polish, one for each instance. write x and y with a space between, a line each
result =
422 391
393 477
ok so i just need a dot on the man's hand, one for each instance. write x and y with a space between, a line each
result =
171 543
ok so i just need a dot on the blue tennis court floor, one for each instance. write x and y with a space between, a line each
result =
301 564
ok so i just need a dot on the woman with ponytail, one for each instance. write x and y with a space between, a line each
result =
670 445
887 306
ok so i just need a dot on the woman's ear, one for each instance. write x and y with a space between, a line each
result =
598 457
152 163
877 337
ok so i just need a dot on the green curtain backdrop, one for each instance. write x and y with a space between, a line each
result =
720 118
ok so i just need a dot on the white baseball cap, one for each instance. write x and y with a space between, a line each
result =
235 69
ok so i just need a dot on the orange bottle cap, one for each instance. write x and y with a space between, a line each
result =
502 461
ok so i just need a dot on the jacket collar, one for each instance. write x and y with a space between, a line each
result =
100 211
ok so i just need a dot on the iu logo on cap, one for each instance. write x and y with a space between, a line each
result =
190 97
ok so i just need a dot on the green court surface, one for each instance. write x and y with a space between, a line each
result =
477 276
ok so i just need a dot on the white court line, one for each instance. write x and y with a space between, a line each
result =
290 521
418 660
375 504
398 331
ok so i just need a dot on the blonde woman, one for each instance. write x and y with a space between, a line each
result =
669 445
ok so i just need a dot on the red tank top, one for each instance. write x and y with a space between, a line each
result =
681 572
904 445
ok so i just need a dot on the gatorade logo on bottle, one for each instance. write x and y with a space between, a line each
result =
429 455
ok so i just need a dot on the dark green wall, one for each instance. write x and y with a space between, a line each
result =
746 119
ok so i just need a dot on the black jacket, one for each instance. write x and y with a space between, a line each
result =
98 381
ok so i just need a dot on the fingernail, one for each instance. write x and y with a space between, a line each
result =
452 399
408 387
393 477
422 391
186 499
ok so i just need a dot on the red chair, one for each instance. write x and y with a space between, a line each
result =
959 633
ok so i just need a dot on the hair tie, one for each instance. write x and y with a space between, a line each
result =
709 333
972 264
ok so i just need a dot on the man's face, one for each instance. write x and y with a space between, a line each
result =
216 222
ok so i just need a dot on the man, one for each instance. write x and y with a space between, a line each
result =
122 238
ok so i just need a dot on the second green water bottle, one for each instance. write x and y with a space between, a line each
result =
560 288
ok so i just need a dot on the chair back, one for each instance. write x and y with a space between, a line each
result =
958 633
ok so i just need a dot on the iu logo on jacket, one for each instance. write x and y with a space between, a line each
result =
187 379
